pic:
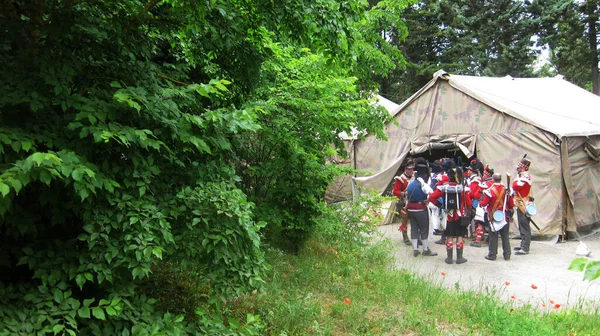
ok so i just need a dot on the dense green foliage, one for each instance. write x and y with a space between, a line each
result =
133 132
299 103
569 28
496 38
480 38
590 268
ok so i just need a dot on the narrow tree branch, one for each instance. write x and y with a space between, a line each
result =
148 7
172 80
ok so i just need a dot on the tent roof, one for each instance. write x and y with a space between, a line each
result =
552 104
389 105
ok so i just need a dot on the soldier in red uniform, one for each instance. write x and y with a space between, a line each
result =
476 193
486 177
521 189
442 197
442 178
494 198
400 185
486 182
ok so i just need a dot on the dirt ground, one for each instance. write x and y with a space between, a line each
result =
545 267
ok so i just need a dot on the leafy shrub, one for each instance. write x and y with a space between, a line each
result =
111 162
590 268
133 132
302 104
351 225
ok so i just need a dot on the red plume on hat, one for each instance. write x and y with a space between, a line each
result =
524 163
489 170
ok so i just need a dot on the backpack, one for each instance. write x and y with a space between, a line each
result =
452 196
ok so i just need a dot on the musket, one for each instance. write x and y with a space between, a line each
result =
507 190
536 226
507 182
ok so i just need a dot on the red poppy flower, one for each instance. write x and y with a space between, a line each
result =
512 297
551 301
556 306
347 301
533 286
544 305
443 273
506 283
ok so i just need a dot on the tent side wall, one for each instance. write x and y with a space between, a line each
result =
444 113
502 151
584 184
341 188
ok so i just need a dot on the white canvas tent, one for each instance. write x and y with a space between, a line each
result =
342 188
554 122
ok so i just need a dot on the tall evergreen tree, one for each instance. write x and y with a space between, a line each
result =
569 28
471 37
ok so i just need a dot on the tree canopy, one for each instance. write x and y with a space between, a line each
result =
569 29
496 38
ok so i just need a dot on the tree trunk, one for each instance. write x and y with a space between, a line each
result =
592 20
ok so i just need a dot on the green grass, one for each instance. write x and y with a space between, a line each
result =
305 294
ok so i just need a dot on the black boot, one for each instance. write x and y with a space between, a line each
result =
429 253
449 254
405 238
459 256
442 240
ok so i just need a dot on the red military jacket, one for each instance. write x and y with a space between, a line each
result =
452 215
495 196
401 184
475 190
486 183
522 188
522 185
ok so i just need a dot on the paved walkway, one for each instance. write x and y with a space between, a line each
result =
546 267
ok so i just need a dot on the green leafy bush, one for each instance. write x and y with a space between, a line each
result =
111 162
134 132
590 268
302 105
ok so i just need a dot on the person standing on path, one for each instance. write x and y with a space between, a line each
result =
455 200
442 178
476 193
494 198
435 223
417 192
521 189
400 185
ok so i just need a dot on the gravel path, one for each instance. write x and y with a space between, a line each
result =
545 267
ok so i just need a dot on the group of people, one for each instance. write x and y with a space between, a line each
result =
454 199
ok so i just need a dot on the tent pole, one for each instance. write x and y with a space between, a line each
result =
566 197
354 196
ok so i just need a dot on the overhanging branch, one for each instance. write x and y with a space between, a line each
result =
148 7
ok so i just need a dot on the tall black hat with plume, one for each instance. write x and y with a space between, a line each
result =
524 163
